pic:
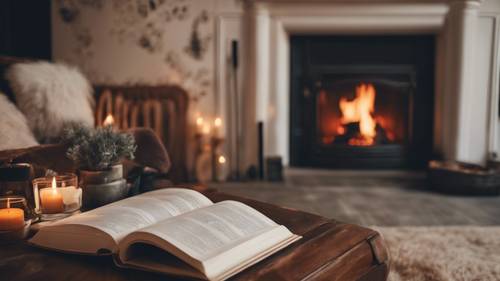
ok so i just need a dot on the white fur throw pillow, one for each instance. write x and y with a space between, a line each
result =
51 96
14 131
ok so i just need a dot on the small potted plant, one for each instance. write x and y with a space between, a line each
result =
97 154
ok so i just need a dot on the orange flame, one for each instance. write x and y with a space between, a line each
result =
218 122
54 185
222 159
109 121
360 110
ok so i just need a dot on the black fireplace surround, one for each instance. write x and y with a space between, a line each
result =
329 70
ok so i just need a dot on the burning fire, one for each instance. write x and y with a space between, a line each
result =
360 110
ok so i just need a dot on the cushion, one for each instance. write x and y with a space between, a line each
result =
14 130
5 63
51 96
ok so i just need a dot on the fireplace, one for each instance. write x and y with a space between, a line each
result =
453 40
361 101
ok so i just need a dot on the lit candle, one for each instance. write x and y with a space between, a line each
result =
217 125
199 124
51 199
222 160
206 129
11 218
109 121
70 194
221 169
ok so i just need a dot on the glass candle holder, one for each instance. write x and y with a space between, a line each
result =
57 197
15 218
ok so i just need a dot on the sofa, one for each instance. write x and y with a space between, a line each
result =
173 137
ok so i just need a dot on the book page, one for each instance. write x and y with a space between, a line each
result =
207 232
217 240
123 217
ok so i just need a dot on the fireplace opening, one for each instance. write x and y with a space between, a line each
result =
362 113
362 102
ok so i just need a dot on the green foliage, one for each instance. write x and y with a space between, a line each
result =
98 149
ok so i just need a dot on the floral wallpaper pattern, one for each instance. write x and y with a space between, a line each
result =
139 42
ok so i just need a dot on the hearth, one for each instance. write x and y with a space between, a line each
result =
362 101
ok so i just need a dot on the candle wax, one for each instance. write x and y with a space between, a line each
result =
70 194
11 219
52 201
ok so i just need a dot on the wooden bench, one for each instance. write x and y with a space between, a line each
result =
329 250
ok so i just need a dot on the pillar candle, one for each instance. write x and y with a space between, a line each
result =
217 126
11 219
51 199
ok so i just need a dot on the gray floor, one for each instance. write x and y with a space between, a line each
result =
388 198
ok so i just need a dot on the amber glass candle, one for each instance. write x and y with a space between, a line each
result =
51 199
11 218
56 197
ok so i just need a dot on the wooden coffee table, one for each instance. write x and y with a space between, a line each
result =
329 250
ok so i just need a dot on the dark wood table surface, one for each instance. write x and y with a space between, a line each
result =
329 250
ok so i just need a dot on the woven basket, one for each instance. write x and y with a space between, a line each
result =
463 178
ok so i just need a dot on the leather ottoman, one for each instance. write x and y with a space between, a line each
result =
329 250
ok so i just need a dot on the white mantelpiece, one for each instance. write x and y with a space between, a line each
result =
466 121
458 85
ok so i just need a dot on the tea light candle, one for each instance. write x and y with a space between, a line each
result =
70 194
217 126
206 129
52 199
109 121
11 218
199 124
222 160
221 169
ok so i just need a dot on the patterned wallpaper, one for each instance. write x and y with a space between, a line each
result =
141 41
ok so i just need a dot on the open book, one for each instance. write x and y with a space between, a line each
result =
174 231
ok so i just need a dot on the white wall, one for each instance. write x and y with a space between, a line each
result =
122 42
488 70
104 37
107 40
479 148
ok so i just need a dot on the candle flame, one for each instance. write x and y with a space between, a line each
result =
54 185
222 159
109 121
218 122
206 129
199 121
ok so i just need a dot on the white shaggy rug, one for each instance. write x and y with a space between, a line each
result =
461 253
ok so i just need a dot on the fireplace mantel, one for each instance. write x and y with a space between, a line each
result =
465 119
